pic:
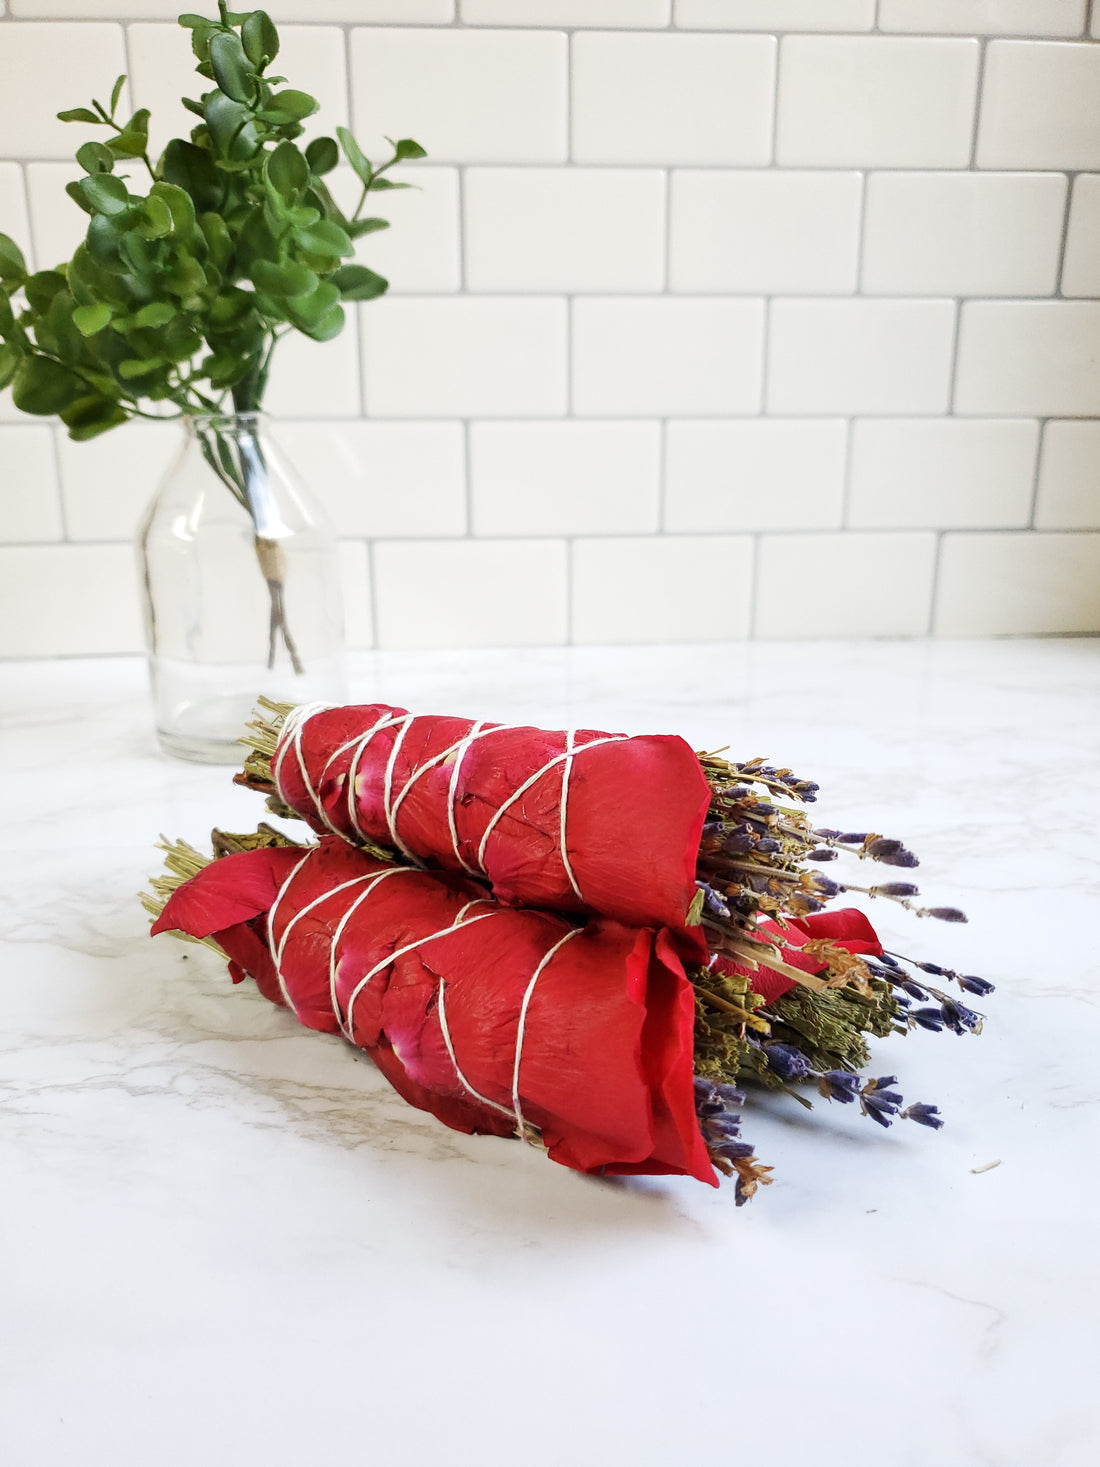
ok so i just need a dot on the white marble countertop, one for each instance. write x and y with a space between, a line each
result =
224 1241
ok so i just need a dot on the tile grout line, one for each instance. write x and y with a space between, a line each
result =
1071 176
1040 449
934 590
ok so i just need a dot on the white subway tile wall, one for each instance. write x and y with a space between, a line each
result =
695 302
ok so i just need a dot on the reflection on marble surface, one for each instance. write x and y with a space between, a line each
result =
225 1241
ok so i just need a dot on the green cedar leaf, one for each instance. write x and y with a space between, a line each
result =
90 319
325 238
232 70
95 158
260 39
286 170
106 193
322 155
289 106
79 114
41 289
354 155
74 192
407 148
358 227
357 283
155 314
43 387
116 92
10 357
12 264
92 415
286 279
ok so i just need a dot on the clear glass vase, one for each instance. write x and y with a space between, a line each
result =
241 588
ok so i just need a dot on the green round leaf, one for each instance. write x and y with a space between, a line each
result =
286 170
357 283
326 239
41 289
191 170
155 314
286 279
12 264
232 70
289 106
43 387
95 158
358 227
322 155
9 362
407 148
92 415
90 319
138 367
260 39
79 114
106 193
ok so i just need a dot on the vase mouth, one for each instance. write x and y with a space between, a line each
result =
193 422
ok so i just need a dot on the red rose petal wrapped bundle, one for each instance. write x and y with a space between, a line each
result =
570 821
494 1020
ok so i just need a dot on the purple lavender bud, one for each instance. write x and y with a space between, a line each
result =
947 914
824 854
726 1126
903 858
914 990
934 969
768 846
739 841
735 1150
930 1019
969 984
788 1062
712 901
959 1018
702 1085
902 1000
852 839
878 1108
924 1115
889 961
883 1082
825 834
838 1085
884 847
729 1094
898 889
825 884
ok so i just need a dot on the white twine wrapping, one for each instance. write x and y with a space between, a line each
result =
371 880
292 737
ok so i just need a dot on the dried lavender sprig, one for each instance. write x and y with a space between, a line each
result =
718 1108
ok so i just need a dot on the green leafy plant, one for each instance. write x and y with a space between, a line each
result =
178 295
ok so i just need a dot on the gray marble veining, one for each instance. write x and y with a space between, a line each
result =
224 1240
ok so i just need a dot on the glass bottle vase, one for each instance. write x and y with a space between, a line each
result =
240 577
